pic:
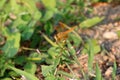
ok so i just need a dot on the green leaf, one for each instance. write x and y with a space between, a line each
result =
38 58
53 52
37 15
26 74
75 39
95 44
98 73
6 79
14 6
12 45
114 71
2 2
27 33
20 60
49 60
48 15
26 17
30 68
50 77
49 3
2 65
48 28
72 52
47 70
90 22
13 73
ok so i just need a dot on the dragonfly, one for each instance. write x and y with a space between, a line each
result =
62 35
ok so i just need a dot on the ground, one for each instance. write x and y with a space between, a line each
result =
106 34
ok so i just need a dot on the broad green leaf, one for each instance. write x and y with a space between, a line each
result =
90 22
49 3
30 68
47 70
26 74
12 45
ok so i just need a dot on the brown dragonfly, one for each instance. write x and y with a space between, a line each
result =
62 34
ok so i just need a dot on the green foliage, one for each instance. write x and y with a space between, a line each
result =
95 47
12 45
29 41
30 67
114 71
29 76
48 28
90 52
51 4
90 22
47 70
98 73
77 40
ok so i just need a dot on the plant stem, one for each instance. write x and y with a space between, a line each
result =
48 40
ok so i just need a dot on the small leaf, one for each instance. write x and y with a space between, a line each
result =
47 70
90 22
49 3
30 68
95 44
48 28
50 77
48 15
53 52
27 33
26 17
75 39
37 15
19 60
